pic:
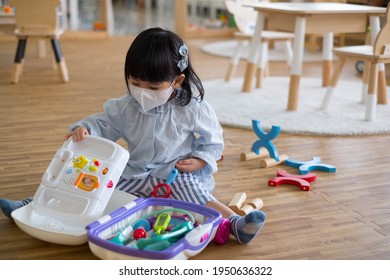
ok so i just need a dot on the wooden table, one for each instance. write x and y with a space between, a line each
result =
308 18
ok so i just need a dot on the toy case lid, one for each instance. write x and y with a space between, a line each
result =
53 230
75 190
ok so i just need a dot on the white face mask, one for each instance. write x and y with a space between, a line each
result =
149 99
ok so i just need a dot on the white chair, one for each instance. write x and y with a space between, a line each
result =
245 19
374 57
38 18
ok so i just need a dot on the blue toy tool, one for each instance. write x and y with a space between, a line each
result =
265 139
172 176
306 166
122 236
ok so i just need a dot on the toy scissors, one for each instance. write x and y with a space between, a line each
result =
165 185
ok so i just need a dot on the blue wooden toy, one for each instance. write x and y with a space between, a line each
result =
265 139
306 166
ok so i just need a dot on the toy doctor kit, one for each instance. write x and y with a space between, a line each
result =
156 228
75 190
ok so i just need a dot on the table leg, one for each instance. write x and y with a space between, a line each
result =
262 64
327 58
296 66
252 59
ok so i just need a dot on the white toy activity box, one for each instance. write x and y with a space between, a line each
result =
76 189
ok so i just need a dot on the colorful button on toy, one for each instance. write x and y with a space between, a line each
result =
93 168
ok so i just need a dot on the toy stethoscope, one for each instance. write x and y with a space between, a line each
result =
160 241
165 185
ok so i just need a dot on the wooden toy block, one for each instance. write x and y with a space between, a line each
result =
237 201
302 184
256 203
269 162
252 155
309 177
244 210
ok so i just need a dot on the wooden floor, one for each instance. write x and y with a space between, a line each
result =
346 215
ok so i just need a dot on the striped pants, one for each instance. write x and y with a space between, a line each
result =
185 187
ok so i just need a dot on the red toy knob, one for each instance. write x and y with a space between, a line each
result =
139 233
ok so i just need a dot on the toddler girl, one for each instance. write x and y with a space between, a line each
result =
166 124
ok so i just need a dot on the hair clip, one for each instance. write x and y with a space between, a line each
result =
183 63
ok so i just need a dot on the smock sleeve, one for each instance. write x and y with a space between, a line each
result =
107 124
209 141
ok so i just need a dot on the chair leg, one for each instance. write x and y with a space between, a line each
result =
62 69
333 83
382 91
18 61
371 94
234 61
366 77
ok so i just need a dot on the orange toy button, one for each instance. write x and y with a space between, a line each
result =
87 182
7 9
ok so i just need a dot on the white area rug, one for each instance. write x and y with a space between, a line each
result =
226 48
268 105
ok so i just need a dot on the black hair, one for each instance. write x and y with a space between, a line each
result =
153 56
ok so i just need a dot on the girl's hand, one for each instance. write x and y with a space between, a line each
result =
190 165
78 134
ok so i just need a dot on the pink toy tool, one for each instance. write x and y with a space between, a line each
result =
75 190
